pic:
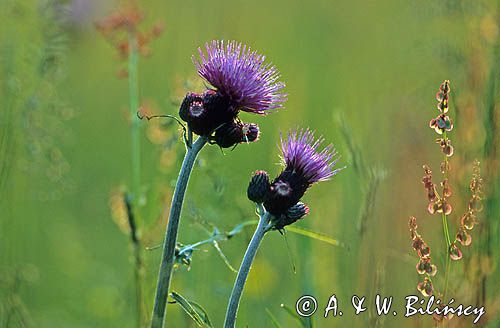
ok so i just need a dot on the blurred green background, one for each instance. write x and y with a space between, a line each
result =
361 73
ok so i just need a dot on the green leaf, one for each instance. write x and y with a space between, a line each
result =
202 312
316 235
275 322
193 309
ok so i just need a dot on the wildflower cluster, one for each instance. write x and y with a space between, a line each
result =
121 30
304 164
240 81
443 123
469 219
439 203
424 265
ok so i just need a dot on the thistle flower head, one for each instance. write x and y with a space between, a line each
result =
240 74
301 155
240 81
304 164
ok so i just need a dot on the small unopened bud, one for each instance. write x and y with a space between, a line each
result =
229 134
235 132
251 132
292 215
258 187
297 212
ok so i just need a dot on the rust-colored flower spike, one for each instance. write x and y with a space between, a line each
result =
442 122
123 25
424 265
425 287
437 203
469 219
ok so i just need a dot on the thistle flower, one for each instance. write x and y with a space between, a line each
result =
278 202
240 81
240 74
304 164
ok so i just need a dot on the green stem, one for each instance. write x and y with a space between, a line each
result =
136 164
168 258
447 254
134 120
446 229
239 284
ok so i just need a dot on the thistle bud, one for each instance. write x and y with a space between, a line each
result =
228 134
235 132
297 212
292 215
251 132
258 187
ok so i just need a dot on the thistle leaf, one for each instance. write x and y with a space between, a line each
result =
193 309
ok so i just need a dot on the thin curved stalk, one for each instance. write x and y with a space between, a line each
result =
239 284
168 258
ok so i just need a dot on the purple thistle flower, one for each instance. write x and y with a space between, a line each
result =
240 74
301 155
304 164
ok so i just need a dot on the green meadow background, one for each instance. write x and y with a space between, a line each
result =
361 73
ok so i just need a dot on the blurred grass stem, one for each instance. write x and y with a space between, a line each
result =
168 258
134 106
239 284
136 170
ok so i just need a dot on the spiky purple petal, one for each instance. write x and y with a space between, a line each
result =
240 74
301 154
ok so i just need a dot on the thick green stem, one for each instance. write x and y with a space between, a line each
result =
168 258
239 284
